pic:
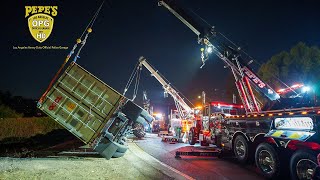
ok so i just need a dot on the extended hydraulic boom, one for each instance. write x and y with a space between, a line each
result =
229 54
184 109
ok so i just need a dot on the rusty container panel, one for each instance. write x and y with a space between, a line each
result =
81 103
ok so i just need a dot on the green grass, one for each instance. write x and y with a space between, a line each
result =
26 127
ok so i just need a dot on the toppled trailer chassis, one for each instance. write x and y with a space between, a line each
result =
92 111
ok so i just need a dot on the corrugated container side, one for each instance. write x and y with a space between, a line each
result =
81 103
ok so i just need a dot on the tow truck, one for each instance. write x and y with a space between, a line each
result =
282 134
201 131
186 114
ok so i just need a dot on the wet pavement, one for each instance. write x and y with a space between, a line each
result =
196 167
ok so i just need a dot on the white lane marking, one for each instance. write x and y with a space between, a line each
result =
161 163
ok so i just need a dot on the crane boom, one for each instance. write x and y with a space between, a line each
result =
229 54
182 106
177 11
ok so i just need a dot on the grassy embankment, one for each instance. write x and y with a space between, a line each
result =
21 128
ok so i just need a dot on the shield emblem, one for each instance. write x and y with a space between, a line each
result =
40 26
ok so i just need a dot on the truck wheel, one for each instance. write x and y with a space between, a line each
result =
241 149
138 130
302 165
191 136
121 148
267 160
117 154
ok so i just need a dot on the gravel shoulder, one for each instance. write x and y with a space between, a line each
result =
135 164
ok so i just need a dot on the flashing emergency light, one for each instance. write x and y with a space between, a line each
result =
295 85
225 105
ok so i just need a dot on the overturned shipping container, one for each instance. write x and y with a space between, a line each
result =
92 111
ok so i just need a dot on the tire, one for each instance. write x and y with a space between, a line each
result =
267 160
191 136
303 164
241 149
117 154
121 148
138 130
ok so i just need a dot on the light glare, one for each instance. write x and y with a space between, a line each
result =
305 89
209 49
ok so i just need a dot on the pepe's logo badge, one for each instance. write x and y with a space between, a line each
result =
40 22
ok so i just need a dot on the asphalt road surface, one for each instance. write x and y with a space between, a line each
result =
196 167
147 158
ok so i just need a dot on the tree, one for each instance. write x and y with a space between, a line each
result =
7 112
300 65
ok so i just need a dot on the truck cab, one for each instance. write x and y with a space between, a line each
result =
208 124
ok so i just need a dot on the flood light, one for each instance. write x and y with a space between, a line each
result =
305 89
209 49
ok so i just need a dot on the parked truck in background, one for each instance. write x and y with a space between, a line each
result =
283 133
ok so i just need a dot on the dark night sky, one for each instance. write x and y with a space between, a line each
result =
126 30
